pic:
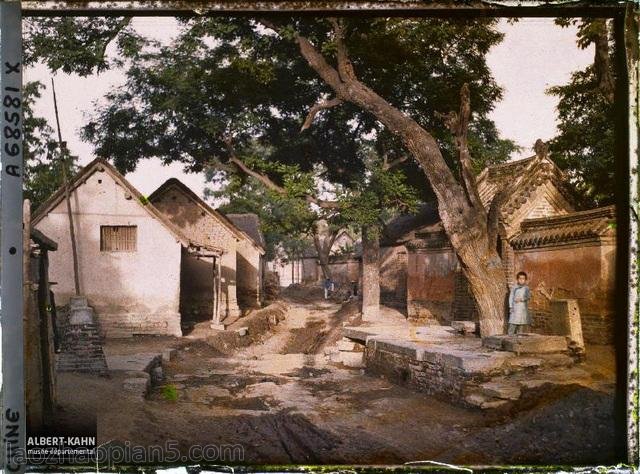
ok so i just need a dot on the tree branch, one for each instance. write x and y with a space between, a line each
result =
268 182
345 68
458 124
387 165
493 216
323 104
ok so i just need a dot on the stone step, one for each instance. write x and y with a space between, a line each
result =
478 400
500 388
527 343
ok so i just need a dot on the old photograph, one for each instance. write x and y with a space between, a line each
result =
314 239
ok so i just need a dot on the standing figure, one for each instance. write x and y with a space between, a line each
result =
519 298
327 287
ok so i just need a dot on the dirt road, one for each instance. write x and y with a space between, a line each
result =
284 402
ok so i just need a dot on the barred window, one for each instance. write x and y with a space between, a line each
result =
118 238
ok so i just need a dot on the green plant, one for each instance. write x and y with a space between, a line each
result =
170 392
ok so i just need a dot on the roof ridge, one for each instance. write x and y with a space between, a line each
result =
173 181
91 168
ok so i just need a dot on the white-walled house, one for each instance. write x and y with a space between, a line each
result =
130 256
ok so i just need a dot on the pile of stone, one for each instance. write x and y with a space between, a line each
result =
81 343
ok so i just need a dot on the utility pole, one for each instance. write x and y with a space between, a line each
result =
67 193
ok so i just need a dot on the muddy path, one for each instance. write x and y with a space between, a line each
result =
283 401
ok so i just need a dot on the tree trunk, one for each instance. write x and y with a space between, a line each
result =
323 239
464 222
370 273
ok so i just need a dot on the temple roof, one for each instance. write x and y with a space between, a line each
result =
522 178
592 225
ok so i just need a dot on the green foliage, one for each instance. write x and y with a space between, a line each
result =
170 392
585 143
380 195
234 80
43 166
79 45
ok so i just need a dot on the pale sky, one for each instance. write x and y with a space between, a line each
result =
534 55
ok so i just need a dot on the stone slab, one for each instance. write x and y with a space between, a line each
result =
526 343
405 348
356 334
346 345
141 362
525 362
168 354
502 389
78 302
352 359
535 344
81 316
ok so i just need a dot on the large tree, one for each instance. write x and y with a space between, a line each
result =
584 145
226 84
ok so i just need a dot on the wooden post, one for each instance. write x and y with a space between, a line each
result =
67 194
217 288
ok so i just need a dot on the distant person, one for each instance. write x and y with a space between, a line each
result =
354 288
327 287
519 298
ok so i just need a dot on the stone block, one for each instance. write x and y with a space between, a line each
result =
242 331
532 383
566 320
556 360
78 302
525 362
502 389
396 346
535 344
480 401
217 327
493 342
464 327
352 359
482 365
168 354
81 316
346 345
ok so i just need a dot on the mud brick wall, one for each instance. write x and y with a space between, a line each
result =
431 276
584 272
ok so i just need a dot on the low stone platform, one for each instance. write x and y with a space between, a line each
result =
440 361
527 343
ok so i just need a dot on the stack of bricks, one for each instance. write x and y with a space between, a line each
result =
81 345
